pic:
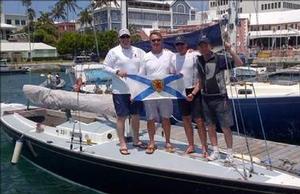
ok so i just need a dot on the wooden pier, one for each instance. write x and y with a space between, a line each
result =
283 156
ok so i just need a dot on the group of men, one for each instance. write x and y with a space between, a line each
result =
206 98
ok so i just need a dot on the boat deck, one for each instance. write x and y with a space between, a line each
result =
283 156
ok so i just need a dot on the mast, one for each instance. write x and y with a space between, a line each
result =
233 22
124 14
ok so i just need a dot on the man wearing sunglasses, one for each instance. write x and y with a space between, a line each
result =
158 63
185 64
122 60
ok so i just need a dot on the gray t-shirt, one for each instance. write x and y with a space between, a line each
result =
212 75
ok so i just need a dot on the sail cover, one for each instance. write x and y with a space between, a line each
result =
59 99
213 32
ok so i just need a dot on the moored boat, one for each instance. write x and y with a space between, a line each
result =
97 163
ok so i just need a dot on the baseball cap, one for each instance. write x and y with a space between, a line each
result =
180 39
124 31
204 39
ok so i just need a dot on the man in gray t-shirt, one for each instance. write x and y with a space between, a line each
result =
216 106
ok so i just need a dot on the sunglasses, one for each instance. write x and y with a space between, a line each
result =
124 36
155 40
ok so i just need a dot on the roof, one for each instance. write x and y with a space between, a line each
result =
24 46
7 26
279 17
270 33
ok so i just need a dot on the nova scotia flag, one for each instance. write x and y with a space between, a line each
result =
159 87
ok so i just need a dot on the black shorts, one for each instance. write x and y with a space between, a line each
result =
124 107
193 108
217 110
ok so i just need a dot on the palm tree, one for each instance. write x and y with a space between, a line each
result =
45 18
30 16
58 12
86 18
69 5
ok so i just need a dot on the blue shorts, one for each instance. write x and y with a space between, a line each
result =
217 110
124 107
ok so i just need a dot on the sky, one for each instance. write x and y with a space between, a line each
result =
16 7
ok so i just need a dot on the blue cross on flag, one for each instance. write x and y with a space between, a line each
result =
159 87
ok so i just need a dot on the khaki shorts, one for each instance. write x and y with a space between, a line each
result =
158 108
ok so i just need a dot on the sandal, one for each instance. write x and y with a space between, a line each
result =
169 148
150 149
124 151
189 150
140 144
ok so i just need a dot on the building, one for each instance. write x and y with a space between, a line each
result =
20 51
5 29
17 20
220 7
66 26
147 14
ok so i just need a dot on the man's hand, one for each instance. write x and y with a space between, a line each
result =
121 73
227 46
190 97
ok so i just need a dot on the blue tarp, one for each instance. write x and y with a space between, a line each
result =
212 32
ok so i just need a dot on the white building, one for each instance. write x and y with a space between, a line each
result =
220 7
5 29
17 20
148 14
21 50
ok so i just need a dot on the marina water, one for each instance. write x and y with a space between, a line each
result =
25 178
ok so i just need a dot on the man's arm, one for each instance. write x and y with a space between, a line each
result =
237 60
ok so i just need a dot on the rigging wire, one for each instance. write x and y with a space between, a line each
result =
244 175
256 102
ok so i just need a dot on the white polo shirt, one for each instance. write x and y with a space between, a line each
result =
128 60
186 65
157 64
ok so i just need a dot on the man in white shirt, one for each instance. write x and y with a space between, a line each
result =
157 62
185 64
122 60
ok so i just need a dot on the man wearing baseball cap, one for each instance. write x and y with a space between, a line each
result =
216 107
185 64
122 60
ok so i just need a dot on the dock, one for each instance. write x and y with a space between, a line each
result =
283 156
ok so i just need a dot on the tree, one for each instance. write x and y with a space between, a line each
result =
68 5
86 18
45 18
58 12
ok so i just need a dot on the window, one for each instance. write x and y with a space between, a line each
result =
279 4
180 8
23 23
17 22
269 6
272 5
8 21
278 27
262 7
275 5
